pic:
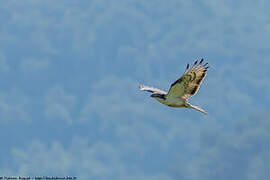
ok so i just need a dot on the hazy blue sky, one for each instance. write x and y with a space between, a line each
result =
69 99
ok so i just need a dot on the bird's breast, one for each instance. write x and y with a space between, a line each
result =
174 102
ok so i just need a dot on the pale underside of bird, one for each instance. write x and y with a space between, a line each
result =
186 86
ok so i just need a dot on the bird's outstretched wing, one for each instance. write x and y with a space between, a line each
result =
151 89
190 81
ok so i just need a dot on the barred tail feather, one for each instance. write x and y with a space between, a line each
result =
197 108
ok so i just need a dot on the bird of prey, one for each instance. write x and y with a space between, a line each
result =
187 85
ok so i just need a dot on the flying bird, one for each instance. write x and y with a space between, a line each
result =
187 85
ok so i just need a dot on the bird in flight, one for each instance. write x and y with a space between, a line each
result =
187 85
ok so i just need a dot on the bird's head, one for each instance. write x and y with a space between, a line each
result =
158 96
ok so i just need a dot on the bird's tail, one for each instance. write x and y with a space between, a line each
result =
197 108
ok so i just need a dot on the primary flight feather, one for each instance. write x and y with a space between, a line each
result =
187 85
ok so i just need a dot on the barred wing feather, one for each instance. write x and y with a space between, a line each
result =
190 81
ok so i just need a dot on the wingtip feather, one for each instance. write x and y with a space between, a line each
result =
187 66
205 64
201 61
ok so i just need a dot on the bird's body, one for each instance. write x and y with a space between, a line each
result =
171 101
175 102
187 85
